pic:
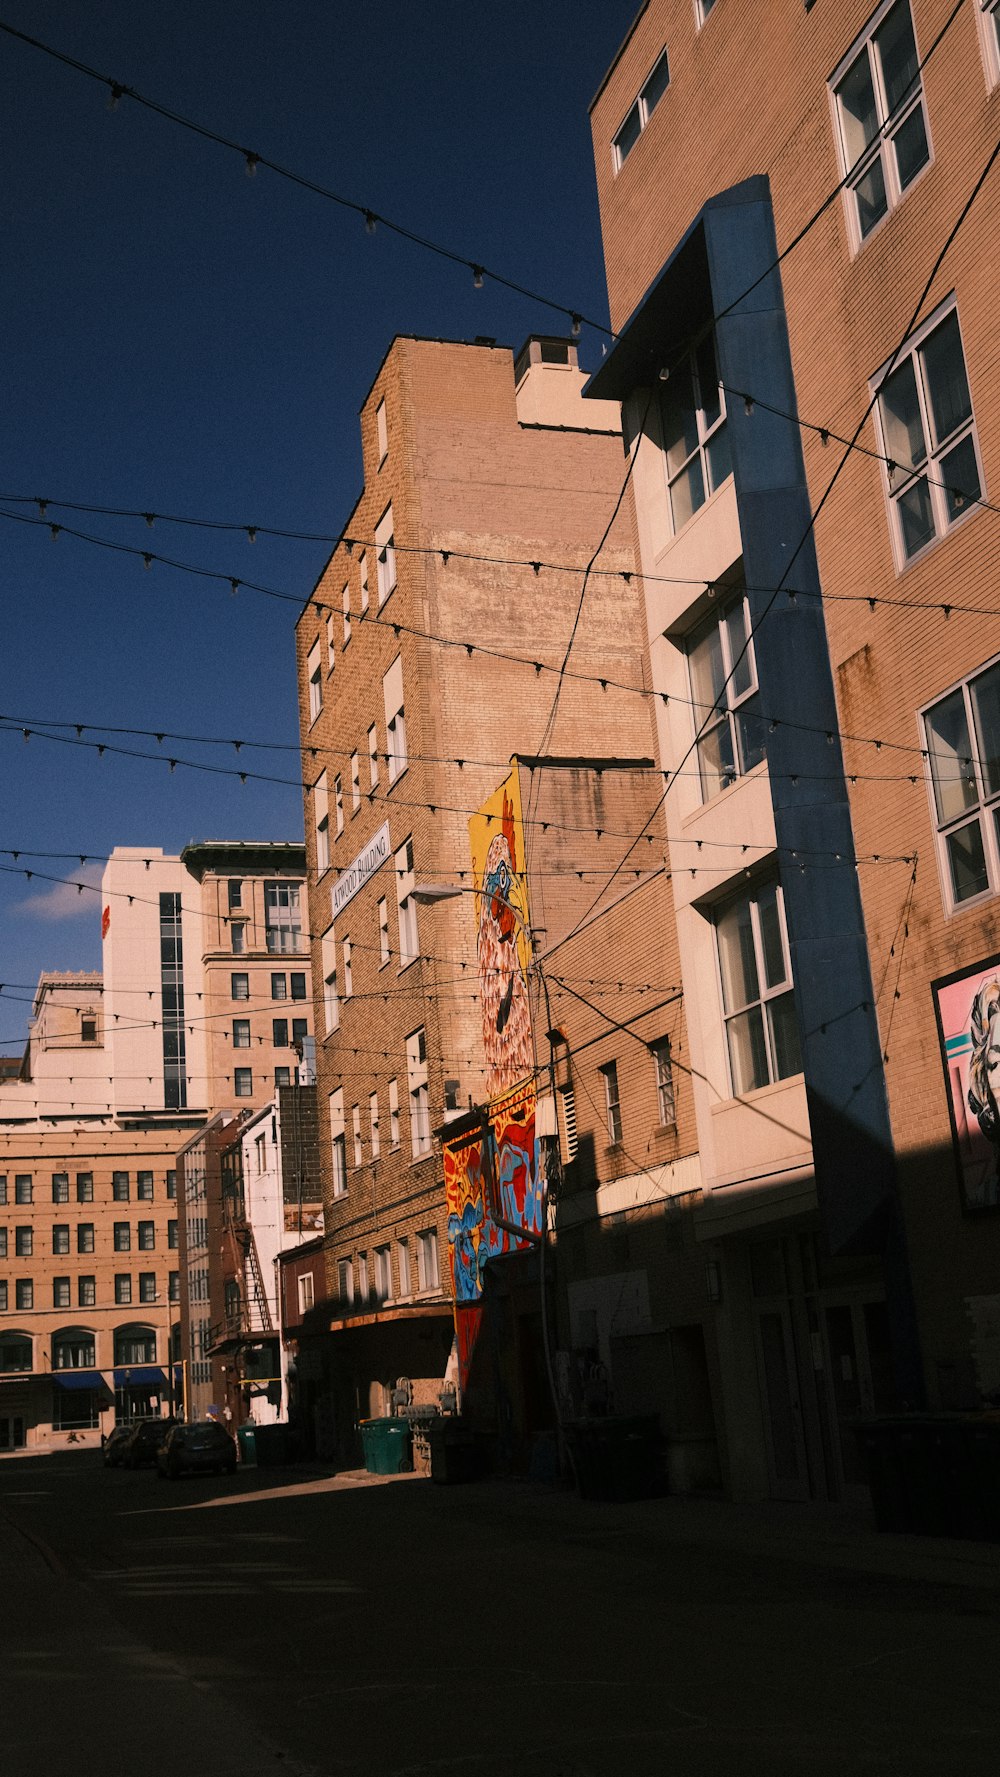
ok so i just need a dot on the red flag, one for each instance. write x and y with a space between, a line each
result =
105 922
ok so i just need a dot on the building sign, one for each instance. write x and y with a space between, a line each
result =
357 874
496 836
968 1015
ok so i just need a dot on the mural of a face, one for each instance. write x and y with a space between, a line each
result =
504 990
984 1068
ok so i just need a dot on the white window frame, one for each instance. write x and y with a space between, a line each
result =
338 1143
768 995
640 111
384 947
381 433
989 25
705 458
663 1075
314 675
702 9
373 758
306 1290
612 1102
981 803
321 816
345 600
404 1281
428 1261
331 644
898 480
385 556
363 582
331 998
383 1273
736 703
355 784
364 1287
348 951
406 906
419 1093
359 1152
889 125
394 1135
345 1282
338 803
373 1125
393 704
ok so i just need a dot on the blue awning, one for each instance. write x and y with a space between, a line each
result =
139 1376
78 1379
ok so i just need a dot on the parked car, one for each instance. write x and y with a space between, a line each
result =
197 1449
113 1447
144 1441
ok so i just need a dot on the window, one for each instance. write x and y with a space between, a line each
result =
243 1082
314 674
239 987
282 1076
356 1132
385 556
757 998
428 1270
882 127
300 1030
3 1243
929 436
416 1081
123 1287
641 112
381 433
393 1113
364 1288
383 934
3 1187
726 707
395 719
85 1237
702 9
345 1282
409 947
383 1274
990 21
23 1188
147 1286
373 757
306 1291
373 1124
86 1292
171 1184
60 1187
172 1239
144 1187
321 813
338 803
147 1237
241 1033
331 998
345 599
60 1237
338 1142
695 440
962 733
348 973
235 892
612 1103
298 983
363 581
15 1352
123 1237
279 987
73 1350
355 784
24 1242
663 1072
403 1266
331 644
282 916
174 1286
120 1187
238 936
135 1345
3 1307
85 1187
88 1030
24 1293
279 1032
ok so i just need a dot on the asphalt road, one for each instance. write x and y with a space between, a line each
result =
291 1621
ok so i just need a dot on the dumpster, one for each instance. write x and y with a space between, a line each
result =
616 1457
935 1474
454 1457
272 1445
246 1438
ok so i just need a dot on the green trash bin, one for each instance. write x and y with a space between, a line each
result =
246 1438
369 1443
394 1447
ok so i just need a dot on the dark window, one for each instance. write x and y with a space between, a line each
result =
24 1293
240 986
88 1030
60 1187
147 1237
60 1237
123 1237
298 987
282 1076
24 1240
147 1286
235 893
85 1237
243 1082
86 1292
23 1191
279 1027
123 1287
174 1288
144 1187
171 1183
300 1029
172 1234
279 987
85 1187
120 1187
60 1292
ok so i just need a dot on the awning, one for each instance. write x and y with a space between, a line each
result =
139 1376
78 1379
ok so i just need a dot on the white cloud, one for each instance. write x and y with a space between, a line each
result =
63 900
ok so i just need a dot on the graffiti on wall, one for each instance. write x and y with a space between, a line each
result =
968 1014
496 835
493 1189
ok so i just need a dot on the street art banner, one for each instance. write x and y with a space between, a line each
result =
496 836
968 1014
493 1189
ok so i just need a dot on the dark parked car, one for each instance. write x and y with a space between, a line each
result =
113 1447
197 1448
144 1442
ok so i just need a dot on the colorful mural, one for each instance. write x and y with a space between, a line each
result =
496 835
968 1014
491 1197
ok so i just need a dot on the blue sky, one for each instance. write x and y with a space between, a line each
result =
183 339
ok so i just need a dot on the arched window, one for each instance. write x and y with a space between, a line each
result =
135 1345
15 1352
73 1348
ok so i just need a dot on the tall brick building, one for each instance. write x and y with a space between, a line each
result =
826 650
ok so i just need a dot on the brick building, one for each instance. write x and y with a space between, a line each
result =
826 651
